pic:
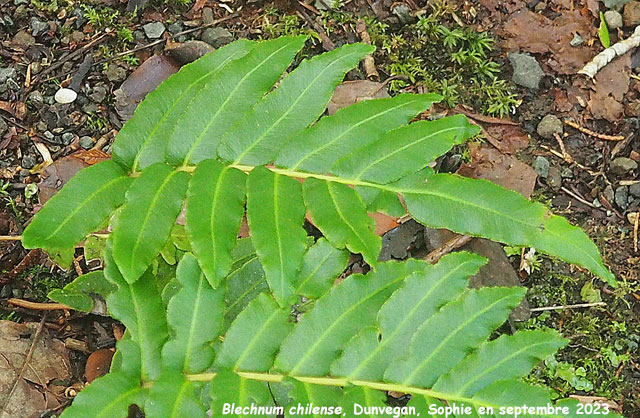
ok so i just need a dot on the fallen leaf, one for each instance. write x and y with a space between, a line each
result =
49 363
351 92
98 364
611 85
57 175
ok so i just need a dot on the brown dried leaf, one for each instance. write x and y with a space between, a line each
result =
351 92
612 83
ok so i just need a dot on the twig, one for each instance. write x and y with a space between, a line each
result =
327 43
23 127
19 237
560 307
368 62
454 243
32 349
592 133
577 164
37 306
635 232
578 198
565 155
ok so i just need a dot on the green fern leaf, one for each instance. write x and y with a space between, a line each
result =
447 336
341 215
145 222
233 390
276 213
215 205
317 148
313 395
227 97
299 100
365 397
78 209
142 140
255 336
189 314
77 294
321 265
172 396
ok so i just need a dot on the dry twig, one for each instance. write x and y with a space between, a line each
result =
37 306
592 133
368 62
565 155
454 243
560 307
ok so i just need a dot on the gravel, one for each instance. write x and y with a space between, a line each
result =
526 70
154 30
115 73
613 19
622 197
622 165
216 37
550 125
541 166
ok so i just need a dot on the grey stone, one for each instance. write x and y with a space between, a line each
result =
38 27
621 197
609 194
549 125
554 179
541 166
613 19
67 137
7 73
3 127
634 190
526 70
577 40
24 39
403 12
77 36
86 142
614 4
216 37
49 135
175 27
19 2
207 16
28 162
116 74
153 30
567 173
5 292
98 94
631 13
622 165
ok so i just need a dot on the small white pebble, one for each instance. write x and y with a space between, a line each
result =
64 96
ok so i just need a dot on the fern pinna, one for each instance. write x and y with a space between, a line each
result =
221 334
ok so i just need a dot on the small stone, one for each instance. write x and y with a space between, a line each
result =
622 165
38 27
23 39
50 136
541 166
634 190
608 193
153 30
526 70
207 16
216 37
28 162
77 36
36 98
403 12
540 7
567 173
98 94
613 19
64 96
3 127
175 27
115 73
621 197
548 126
17 293
631 13
7 73
5 292
41 126
577 40
86 142
67 137
554 178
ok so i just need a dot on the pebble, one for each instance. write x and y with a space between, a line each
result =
608 193
631 13
64 96
550 125
98 94
38 27
35 97
77 36
577 40
541 166
49 135
154 30
403 12
207 16
567 173
24 39
613 19
621 197
28 162
3 127
115 73
7 73
216 37
622 165
67 137
175 27
526 70
5 292
86 142
554 178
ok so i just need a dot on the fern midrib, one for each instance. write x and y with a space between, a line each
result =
326 258
249 290
403 148
178 400
441 344
276 222
342 382
223 104
162 119
328 330
407 318
257 337
212 217
291 107
115 403
345 132
194 324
